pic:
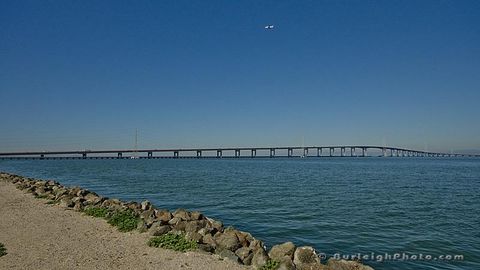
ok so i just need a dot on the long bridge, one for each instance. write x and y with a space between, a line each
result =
235 152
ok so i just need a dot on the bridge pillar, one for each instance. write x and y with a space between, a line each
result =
42 156
254 153
342 151
84 155
305 152
331 151
352 152
384 152
219 153
289 152
391 152
199 153
364 152
319 151
175 154
150 154
237 153
119 155
272 152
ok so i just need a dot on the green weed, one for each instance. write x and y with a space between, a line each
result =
124 220
96 211
173 241
270 265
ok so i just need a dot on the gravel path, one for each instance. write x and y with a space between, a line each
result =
42 236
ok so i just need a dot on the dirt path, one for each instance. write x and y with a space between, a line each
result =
42 236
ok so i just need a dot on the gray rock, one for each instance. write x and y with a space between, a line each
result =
163 215
205 248
40 191
306 258
78 200
194 225
52 183
227 240
78 206
92 199
243 253
60 192
146 205
215 224
142 226
66 201
148 216
209 240
286 263
74 190
136 207
256 244
113 204
174 221
182 214
248 259
194 236
82 192
180 226
244 238
333 264
260 258
158 229
277 252
195 215
204 231
227 254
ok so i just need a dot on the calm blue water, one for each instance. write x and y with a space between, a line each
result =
414 205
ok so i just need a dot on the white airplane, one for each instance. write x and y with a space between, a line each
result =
269 27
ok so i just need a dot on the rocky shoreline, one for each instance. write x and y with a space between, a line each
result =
208 234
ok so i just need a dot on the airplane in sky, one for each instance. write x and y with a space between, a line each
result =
269 27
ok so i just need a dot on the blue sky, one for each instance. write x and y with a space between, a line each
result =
86 74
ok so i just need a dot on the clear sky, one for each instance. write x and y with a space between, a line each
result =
86 74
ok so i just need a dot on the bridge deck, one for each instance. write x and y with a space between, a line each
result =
331 151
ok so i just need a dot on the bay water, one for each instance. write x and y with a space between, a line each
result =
342 206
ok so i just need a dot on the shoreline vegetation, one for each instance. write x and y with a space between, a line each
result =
180 230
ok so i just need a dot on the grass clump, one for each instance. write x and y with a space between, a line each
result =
177 242
44 196
124 220
3 250
96 211
270 265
